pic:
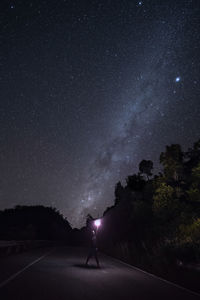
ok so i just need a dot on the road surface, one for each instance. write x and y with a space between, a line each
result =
60 273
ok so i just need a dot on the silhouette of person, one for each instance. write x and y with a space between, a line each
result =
93 249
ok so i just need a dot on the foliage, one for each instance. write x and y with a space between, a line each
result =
33 222
194 194
194 190
190 233
164 200
161 215
146 167
118 192
172 161
135 182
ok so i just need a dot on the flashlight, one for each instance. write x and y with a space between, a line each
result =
97 223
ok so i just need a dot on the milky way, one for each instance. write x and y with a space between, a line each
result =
89 90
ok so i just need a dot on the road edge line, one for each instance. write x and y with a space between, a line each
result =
152 275
6 281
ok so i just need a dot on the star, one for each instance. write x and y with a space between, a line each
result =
178 79
83 115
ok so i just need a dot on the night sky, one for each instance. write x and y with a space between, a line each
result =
87 90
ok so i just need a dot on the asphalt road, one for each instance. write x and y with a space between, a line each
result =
60 273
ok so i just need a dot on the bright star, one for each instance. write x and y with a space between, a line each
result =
140 3
178 79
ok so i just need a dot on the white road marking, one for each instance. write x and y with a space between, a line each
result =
3 283
152 275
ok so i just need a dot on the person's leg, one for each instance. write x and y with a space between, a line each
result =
96 258
88 258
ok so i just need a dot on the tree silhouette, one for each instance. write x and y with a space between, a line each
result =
146 167
118 192
161 215
172 160
33 222
135 182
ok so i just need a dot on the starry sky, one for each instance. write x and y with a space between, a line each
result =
88 90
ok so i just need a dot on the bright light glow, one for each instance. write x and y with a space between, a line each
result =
97 223
178 79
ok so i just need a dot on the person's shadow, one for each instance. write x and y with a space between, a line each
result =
84 266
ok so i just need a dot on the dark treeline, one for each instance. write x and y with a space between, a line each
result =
155 220
33 223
